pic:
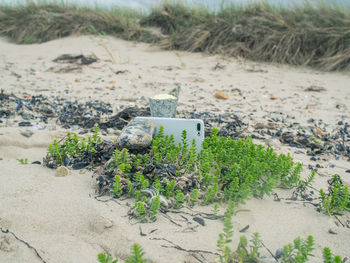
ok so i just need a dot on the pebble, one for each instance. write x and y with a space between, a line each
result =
137 135
24 124
79 165
279 253
27 133
39 127
221 95
62 171
199 220
26 116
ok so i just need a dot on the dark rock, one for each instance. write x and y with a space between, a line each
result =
279 253
80 165
24 124
171 170
27 133
52 166
199 220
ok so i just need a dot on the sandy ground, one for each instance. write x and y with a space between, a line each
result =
61 218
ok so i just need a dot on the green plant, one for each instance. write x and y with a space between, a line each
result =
179 199
170 188
73 149
307 182
136 255
106 258
251 254
154 208
226 238
336 201
183 65
328 257
117 186
215 209
241 169
142 182
299 251
23 161
140 211
194 196
225 169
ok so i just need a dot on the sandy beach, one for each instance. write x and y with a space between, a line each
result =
61 218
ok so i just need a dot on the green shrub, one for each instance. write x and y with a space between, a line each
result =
336 201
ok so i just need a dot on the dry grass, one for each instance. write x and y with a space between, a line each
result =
40 23
317 36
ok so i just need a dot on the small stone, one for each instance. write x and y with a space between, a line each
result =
332 231
273 98
117 132
80 165
26 116
279 253
319 131
24 124
199 221
221 95
348 171
137 135
62 171
27 133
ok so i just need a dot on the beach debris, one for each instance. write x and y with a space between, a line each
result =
332 231
24 124
66 69
75 63
138 134
254 70
219 66
319 131
317 137
199 220
62 171
273 98
163 105
27 133
244 229
76 59
221 95
314 88
279 253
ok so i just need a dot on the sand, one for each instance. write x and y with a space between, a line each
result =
60 216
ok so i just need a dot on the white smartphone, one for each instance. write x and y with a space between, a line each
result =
175 126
